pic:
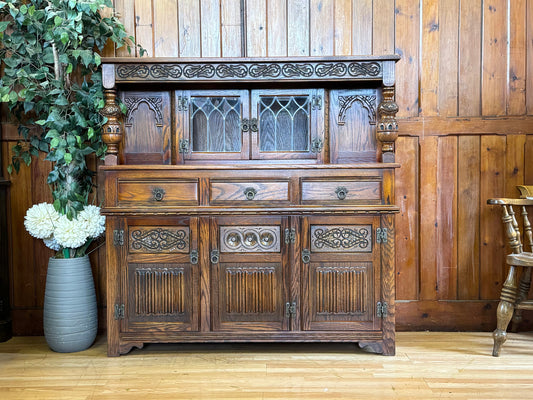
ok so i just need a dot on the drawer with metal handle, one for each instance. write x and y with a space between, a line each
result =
341 191
249 192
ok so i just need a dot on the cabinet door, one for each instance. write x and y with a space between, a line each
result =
290 124
352 125
209 125
341 276
161 275
249 264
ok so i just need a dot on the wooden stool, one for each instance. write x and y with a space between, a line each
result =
513 298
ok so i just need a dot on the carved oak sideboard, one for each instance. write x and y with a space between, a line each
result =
250 200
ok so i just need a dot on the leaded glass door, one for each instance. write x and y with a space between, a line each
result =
290 124
209 124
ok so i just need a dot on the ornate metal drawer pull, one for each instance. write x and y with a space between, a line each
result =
194 257
245 125
250 193
215 255
253 125
341 192
306 256
158 193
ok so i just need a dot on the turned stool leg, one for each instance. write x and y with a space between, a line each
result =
523 291
505 310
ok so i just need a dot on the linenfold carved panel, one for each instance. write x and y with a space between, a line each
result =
148 239
251 290
159 291
237 239
341 290
341 238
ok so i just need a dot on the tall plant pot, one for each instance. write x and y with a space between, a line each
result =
70 313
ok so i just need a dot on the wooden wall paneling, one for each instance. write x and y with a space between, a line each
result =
516 97
40 193
144 26
277 28
189 28
492 184
470 28
256 28
447 218
468 214
448 61
514 164
528 156
343 27
298 27
429 73
232 30
383 27
362 13
494 67
406 192
166 29
125 10
322 36
428 217
210 28
529 58
407 46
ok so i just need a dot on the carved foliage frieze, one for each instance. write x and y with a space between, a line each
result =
240 239
342 238
159 240
250 70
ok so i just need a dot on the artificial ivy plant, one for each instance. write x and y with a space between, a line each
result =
52 84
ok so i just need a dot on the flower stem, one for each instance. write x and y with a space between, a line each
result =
66 253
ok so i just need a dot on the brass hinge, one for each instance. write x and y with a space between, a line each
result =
183 103
118 237
290 235
317 145
381 235
316 103
119 311
381 309
183 146
290 309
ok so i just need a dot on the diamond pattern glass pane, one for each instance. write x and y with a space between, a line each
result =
215 123
284 123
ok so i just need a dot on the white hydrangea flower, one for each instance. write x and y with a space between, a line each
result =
92 221
51 243
40 220
69 233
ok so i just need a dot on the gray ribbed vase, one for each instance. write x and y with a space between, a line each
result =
70 313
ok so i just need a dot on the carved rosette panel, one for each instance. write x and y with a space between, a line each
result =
154 103
251 290
159 240
342 238
250 239
249 70
160 291
341 290
368 102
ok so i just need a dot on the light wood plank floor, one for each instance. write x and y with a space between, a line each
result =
428 365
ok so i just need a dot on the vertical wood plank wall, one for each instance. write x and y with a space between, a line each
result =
465 91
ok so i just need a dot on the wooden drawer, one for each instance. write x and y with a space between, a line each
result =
341 191
248 191
158 193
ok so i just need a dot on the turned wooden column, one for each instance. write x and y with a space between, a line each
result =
112 129
387 128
